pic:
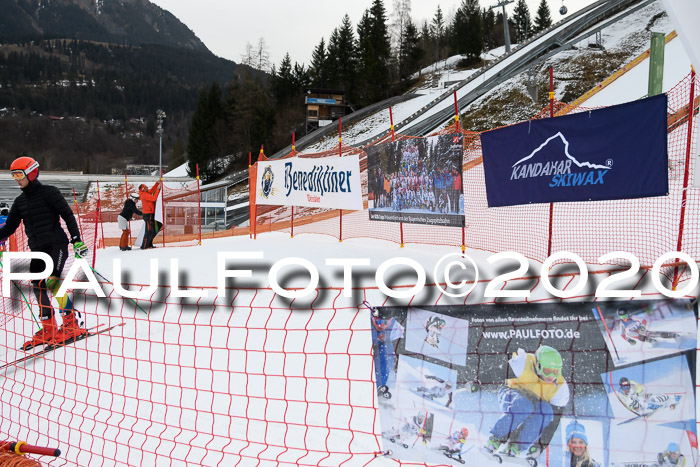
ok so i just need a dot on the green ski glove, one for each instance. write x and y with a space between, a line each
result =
80 249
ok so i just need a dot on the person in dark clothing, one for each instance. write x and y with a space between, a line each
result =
123 220
40 208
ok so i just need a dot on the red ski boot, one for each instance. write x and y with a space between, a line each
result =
69 331
45 335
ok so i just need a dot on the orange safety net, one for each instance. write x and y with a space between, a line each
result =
180 206
645 227
248 379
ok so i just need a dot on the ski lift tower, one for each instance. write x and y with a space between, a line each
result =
506 32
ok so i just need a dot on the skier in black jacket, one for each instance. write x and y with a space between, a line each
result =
40 208
123 220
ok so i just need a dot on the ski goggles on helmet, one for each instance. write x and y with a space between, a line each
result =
551 371
18 174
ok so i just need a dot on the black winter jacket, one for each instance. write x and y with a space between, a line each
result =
129 210
39 207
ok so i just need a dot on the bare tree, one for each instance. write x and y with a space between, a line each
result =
248 56
400 16
257 56
262 56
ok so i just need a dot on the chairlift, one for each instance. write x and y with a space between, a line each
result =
563 10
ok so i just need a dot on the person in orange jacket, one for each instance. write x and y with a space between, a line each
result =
148 202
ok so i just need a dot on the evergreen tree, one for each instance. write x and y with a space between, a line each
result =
250 114
284 86
411 52
543 20
318 72
521 19
301 78
374 53
467 30
426 44
488 19
345 59
203 146
332 69
437 33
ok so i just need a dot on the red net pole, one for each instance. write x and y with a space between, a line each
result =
199 204
456 108
391 121
291 234
551 205
162 204
676 276
126 196
551 91
464 246
97 218
340 153
393 138
77 212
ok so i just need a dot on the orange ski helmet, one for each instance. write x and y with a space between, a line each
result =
24 167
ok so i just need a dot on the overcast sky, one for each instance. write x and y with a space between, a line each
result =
225 26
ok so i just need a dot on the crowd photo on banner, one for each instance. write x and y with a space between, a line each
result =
417 181
558 384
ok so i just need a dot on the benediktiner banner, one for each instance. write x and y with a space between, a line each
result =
330 182
612 153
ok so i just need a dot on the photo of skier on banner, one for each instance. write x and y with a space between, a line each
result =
671 457
412 429
433 328
421 383
634 396
454 448
385 334
640 331
635 330
530 402
661 391
440 389
436 335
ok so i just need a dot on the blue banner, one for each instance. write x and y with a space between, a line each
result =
613 153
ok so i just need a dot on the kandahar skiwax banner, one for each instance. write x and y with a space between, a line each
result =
557 159
604 383
329 182
417 181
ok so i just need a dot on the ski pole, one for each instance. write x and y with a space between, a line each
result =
25 299
134 301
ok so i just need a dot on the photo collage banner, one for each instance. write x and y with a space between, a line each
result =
565 384
417 181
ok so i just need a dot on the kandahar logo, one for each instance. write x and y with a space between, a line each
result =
266 184
565 172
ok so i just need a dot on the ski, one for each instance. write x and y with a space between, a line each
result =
50 348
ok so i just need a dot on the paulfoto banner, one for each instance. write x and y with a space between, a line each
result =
546 384
329 182
417 181
558 159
